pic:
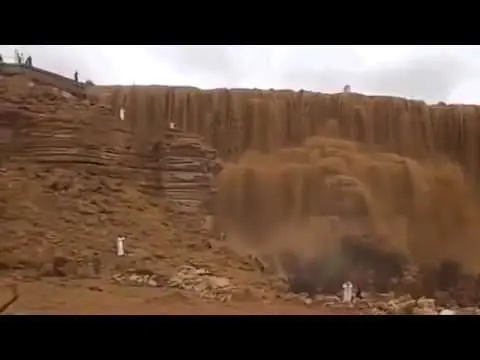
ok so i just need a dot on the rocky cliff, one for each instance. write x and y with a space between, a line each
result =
302 172
188 171
73 179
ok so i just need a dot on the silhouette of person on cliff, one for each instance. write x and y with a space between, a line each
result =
18 59
1 59
75 76
28 61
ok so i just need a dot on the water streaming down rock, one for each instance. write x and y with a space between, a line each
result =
398 170
423 211
237 120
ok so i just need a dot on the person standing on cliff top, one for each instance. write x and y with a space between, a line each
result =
1 59
75 76
18 59
28 61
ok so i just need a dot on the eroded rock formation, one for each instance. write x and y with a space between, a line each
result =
303 171
73 177
188 171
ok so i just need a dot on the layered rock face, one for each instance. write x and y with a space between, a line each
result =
38 75
188 171
73 178
48 126
42 125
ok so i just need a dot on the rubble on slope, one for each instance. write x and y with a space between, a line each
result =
383 304
197 281
203 283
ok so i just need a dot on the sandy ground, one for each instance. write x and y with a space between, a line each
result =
87 297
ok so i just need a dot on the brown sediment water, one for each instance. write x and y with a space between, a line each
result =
424 210
238 120
399 172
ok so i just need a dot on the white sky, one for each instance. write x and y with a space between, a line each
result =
431 73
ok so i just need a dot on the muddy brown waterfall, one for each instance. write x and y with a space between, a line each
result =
304 169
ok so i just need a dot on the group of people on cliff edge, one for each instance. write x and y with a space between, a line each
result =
21 60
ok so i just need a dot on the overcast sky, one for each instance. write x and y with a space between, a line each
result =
431 73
